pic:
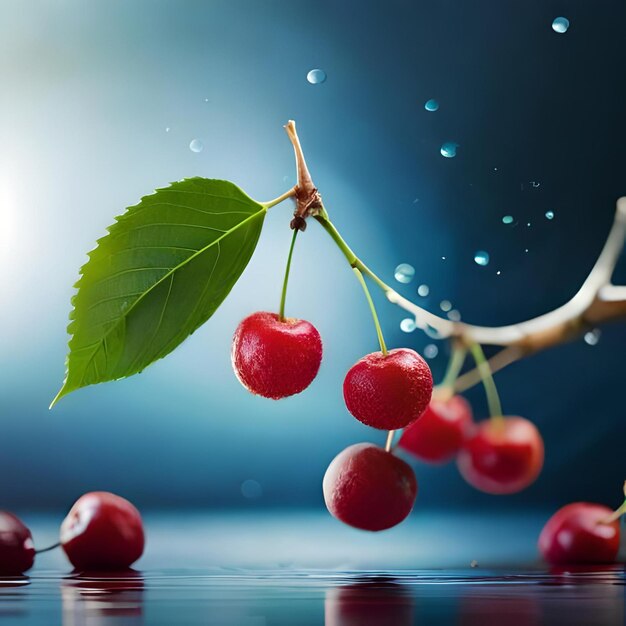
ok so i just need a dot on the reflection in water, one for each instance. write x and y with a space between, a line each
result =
11 601
370 603
498 608
103 600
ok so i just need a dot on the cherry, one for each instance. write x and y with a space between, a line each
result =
579 533
102 531
388 391
17 552
274 357
369 488
503 455
438 435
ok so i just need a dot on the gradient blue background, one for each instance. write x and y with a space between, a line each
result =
87 92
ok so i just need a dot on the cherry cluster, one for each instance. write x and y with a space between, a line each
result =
102 531
369 487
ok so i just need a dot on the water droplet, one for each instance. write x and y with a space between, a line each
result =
431 351
206 99
481 258
535 184
167 129
592 337
404 273
525 249
454 315
316 76
408 325
423 290
560 25
528 224
445 305
196 145
498 273
549 215
443 258
431 105
448 149
473 563
251 489
507 219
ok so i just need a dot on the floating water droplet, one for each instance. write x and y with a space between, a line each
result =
316 76
448 149
481 258
206 99
431 105
528 224
525 249
454 315
167 129
431 351
408 325
251 489
473 563
423 290
498 273
549 215
443 258
507 219
404 273
196 145
445 305
592 337
560 25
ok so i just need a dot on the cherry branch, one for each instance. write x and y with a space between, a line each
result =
596 302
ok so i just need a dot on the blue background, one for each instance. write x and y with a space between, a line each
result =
88 90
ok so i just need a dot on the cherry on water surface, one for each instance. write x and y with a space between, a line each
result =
102 531
369 488
503 455
388 391
576 534
17 552
276 358
437 436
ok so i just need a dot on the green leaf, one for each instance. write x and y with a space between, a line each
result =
161 271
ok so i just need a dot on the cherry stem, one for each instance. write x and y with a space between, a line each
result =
368 296
617 513
52 547
288 194
455 364
390 435
493 399
283 296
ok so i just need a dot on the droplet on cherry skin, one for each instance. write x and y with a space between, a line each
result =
17 552
438 435
575 534
102 531
502 455
369 488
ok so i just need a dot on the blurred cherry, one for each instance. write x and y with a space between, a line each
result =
17 552
102 531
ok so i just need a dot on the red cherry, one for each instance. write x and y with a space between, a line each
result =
17 552
504 455
276 358
369 488
575 534
388 391
102 531
438 435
